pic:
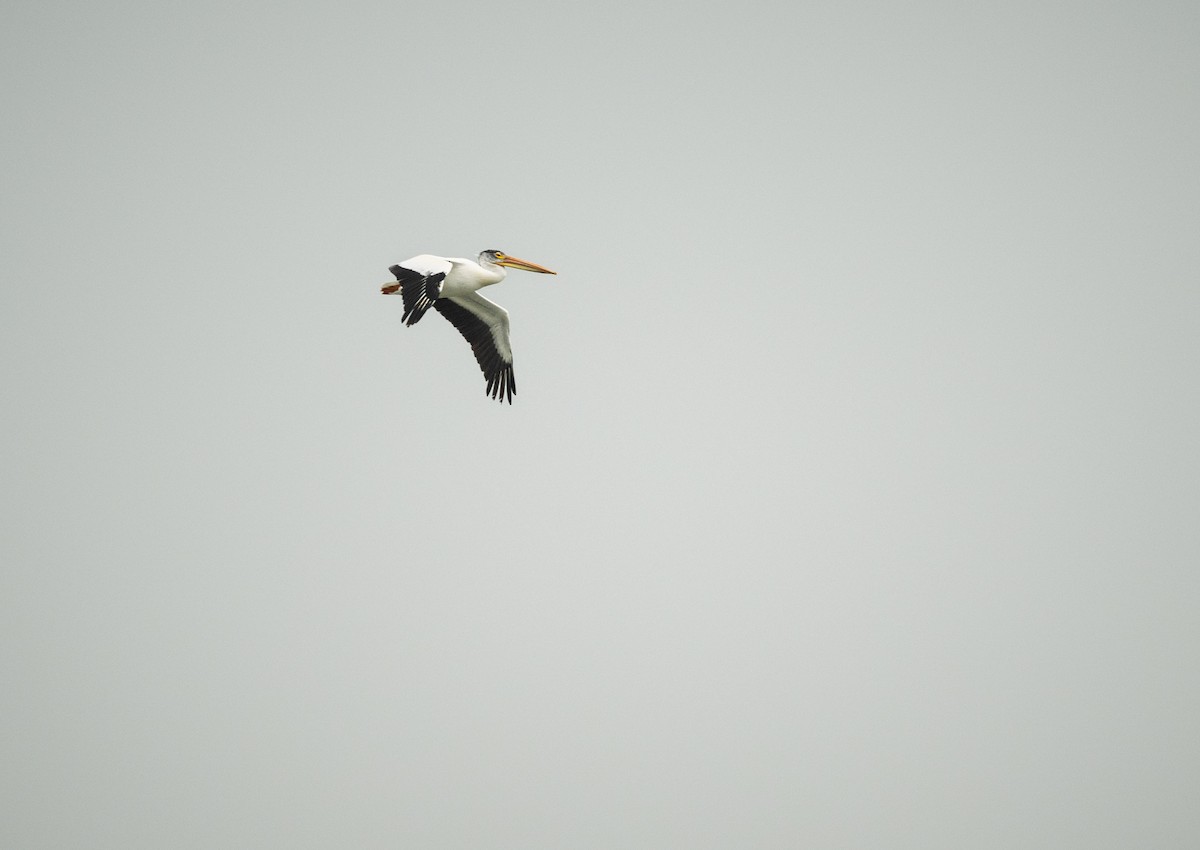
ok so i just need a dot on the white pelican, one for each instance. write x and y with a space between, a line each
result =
451 286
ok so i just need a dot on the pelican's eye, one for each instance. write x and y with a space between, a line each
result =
499 255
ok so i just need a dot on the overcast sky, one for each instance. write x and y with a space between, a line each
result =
851 497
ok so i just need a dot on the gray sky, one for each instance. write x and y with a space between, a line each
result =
850 498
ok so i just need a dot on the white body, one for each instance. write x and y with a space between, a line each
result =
462 276
451 285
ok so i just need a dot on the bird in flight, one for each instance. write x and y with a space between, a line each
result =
451 286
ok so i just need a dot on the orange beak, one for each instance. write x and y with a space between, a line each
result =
514 263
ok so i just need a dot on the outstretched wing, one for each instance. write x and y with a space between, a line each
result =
484 324
419 281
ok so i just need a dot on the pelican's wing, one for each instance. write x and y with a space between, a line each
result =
484 324
419 280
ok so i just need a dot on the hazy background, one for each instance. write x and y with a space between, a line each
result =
850 498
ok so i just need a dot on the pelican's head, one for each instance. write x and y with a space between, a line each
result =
499 258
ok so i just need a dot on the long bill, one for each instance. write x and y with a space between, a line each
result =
515 263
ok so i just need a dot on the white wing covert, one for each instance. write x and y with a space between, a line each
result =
419 280
484 324
451 286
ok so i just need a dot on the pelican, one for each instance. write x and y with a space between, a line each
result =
451 286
